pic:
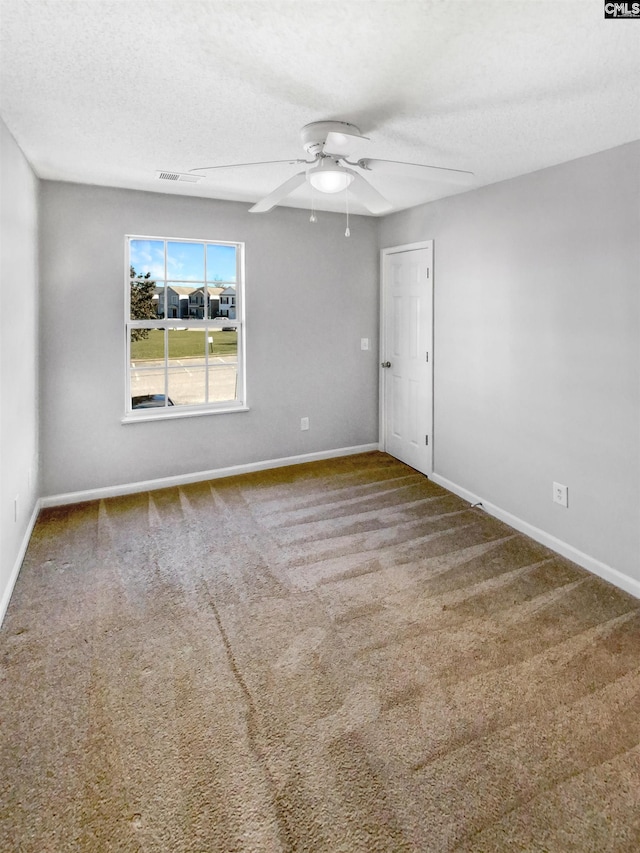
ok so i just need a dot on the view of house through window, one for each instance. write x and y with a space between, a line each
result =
184 325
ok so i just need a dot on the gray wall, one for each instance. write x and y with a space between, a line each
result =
537 347
18 353
311 294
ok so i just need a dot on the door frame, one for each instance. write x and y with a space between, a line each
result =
394 250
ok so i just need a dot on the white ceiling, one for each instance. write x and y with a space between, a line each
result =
108 92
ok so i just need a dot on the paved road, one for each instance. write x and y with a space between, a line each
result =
187 379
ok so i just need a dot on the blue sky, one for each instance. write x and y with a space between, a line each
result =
185 261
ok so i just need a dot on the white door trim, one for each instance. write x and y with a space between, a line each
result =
392 250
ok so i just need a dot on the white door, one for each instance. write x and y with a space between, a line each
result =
406 383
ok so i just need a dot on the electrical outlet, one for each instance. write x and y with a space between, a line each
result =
560 494
364 343
304 423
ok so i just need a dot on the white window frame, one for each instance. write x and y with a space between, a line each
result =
207 408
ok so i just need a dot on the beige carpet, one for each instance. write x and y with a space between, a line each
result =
339 657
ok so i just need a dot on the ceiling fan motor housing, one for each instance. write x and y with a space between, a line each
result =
314 135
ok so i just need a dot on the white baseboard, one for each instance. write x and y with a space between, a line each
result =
602 570
199 476
7 592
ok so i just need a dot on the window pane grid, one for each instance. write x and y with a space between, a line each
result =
185 331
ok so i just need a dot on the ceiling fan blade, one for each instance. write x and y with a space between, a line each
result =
269 202
338 143
369 196
417 170
259 163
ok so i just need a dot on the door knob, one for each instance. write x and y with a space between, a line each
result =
386 364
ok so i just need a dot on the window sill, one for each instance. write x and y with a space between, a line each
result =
151 415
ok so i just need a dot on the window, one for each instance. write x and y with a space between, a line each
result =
181 359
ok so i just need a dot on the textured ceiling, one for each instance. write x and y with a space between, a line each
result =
109 92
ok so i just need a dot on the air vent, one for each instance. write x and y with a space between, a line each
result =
178 176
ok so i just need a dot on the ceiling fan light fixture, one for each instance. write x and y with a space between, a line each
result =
329 179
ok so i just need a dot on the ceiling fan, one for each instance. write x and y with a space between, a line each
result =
329 144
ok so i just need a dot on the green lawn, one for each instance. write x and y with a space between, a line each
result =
183 344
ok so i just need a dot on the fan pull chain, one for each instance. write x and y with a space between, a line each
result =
347 233
313 217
